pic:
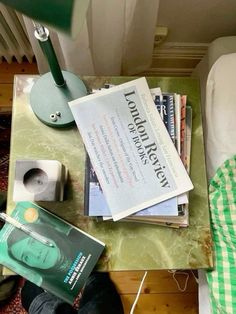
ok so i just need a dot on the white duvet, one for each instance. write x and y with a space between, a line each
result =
220 113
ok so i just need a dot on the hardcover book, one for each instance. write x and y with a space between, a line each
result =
61 263
130 149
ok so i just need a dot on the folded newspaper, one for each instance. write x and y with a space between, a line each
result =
134 158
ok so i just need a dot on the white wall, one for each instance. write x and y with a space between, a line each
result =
197 21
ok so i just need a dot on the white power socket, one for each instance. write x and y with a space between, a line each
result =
160 34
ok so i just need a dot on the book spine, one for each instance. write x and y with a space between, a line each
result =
169 117
87 185
183 126
159 105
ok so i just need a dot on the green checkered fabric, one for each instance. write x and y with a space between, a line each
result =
222 279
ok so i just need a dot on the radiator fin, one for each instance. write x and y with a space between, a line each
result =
14 42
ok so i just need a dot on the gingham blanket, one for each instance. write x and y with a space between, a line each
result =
222 279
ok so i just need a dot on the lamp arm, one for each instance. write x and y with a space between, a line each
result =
42 34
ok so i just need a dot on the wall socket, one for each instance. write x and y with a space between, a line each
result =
160 34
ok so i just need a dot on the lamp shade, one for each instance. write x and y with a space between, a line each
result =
63 15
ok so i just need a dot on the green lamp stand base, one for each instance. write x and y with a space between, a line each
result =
49 102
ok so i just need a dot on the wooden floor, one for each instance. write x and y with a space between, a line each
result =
160 293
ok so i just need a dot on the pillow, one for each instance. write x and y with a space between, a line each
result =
220 113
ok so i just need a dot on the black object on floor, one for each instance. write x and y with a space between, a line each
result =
28 292
100 296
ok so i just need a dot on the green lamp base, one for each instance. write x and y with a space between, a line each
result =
49 102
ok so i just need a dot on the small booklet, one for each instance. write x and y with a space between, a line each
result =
48 251
130 149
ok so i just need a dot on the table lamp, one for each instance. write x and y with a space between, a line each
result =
51 93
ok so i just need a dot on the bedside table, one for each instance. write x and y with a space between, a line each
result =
129 246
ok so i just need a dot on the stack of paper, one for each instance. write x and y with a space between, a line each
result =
137 172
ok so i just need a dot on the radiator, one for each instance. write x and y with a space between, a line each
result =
14 42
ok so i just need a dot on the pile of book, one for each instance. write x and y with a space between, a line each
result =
138 142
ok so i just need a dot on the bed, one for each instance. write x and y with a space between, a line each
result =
217 73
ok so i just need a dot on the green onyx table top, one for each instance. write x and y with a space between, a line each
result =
129 246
